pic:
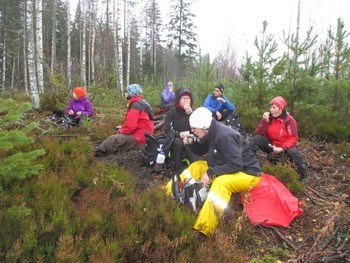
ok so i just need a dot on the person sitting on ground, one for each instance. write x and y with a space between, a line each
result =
80 107
218 104
177 125
138 120
230 167
167 97
277 133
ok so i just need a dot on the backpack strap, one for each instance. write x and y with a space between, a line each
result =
144 105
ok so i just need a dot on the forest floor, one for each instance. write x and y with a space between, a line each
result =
322 233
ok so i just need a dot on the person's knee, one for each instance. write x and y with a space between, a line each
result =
178 143
293 152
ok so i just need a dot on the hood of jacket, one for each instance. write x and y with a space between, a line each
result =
180 91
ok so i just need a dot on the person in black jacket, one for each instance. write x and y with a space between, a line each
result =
230 167
177 124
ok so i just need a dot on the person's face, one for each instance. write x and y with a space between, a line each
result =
200 133
217 92
185 101
275 110
127 96
75 96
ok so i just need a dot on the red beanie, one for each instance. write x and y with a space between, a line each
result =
279 102
80 92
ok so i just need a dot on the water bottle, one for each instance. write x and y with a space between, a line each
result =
160 160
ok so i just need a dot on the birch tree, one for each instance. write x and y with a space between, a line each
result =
120 73
53 37
83 44
127 41
31 55
115 39
39 46
69 57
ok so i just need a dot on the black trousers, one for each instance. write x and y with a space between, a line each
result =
79 120
264 144
179 150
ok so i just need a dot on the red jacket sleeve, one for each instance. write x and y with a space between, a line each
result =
131 120
292 134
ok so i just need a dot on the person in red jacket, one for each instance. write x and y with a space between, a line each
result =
277 133
138 120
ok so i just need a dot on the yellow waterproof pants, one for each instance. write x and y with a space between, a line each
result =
219 195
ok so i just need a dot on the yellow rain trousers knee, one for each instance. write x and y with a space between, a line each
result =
219 195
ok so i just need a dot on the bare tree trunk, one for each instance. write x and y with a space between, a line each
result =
25 53
83 45
39 45
3 77
127 40
93 41
141 38
13 72
115 38
120 81
53 38
69 58
31 56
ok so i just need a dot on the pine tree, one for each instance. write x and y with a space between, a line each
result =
15 164
182 34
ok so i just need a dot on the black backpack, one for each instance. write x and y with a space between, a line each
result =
153 146
192 193
235 123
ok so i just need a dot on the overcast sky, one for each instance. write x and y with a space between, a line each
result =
238 22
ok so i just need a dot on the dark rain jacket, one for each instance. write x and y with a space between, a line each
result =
176 119
228 152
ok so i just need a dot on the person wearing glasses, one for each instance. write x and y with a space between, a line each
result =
177 125
218 104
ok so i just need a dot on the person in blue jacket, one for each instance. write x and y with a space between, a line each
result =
218 104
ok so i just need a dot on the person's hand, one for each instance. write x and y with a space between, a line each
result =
221 99
266 116
118 128
188 108
71 112
78 113
218 114
277 150
205 179
184 134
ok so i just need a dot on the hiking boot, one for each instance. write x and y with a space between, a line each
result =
199 236
99 152
303 175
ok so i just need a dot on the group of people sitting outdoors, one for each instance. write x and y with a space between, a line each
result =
216 152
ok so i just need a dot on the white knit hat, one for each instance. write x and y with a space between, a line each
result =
201 118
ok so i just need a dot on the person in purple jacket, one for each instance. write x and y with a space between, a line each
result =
80 107
168 97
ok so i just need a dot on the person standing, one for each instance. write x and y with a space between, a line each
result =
277 133
167 97
218 104
230 167
138 120
80 107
